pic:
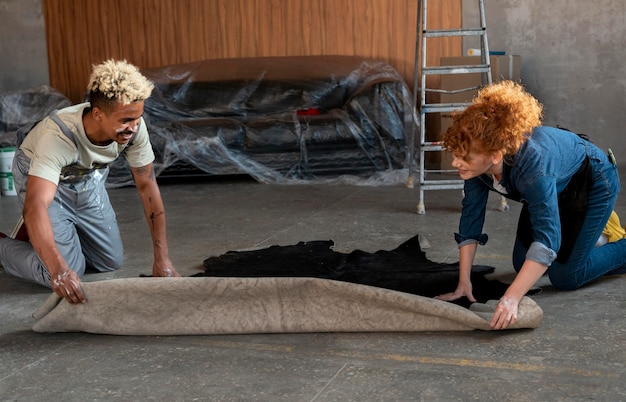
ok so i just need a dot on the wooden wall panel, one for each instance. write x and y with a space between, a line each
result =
152 33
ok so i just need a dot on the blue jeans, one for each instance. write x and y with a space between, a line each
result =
587 262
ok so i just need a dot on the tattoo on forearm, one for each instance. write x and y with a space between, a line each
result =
154 215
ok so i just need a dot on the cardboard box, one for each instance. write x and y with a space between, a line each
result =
502 68
446 157
506 67
439 160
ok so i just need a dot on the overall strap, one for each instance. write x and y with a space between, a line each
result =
68 133
71 173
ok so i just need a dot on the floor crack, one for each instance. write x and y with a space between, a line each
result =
328 383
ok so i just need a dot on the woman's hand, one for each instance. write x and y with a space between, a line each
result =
506 310
463 289
505 313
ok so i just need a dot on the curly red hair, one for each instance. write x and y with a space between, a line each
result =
500 118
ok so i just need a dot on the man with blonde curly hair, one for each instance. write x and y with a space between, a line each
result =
60 171
567 186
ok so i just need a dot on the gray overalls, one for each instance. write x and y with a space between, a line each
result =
83 221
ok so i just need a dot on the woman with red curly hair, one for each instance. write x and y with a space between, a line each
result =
567 186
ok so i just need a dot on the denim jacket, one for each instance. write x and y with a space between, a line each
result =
535 175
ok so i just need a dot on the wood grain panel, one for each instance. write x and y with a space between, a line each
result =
152 33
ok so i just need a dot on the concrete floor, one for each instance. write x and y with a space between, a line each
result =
578 352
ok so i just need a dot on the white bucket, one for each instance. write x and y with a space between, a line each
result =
6 159
6 176
7 187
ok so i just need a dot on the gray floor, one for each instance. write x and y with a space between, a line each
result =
578 353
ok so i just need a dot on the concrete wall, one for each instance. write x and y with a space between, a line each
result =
573 60
573 56
23 54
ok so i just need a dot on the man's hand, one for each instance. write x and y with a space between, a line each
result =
164 268
67 286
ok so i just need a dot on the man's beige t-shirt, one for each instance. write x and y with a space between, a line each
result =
49 150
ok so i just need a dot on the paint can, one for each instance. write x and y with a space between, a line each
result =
7 186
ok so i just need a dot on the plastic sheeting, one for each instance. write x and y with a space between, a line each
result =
306 119
21 108
279 120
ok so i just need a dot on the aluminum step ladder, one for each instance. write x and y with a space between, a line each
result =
421 72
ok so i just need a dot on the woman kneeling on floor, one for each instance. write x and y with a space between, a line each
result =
567 186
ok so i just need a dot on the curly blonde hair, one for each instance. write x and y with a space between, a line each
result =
500 118
117 81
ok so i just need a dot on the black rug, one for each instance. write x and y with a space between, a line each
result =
405 269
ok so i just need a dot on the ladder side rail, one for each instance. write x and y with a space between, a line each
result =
411 149
423 63
484 44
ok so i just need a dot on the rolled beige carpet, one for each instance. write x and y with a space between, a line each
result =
209 305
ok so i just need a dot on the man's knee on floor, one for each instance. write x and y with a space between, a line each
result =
107 264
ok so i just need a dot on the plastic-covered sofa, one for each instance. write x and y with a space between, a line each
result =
277 119
23 107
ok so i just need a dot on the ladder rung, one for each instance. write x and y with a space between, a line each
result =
438 33
443 107
431 146
452 91
460 69
441 184
441 171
